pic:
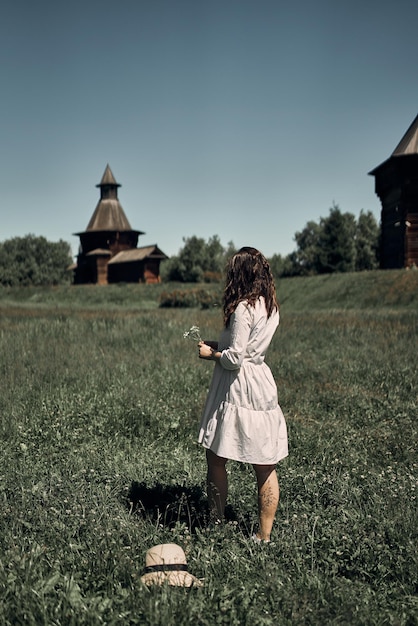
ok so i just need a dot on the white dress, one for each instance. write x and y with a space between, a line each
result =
242 419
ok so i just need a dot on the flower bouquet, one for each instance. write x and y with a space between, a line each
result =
193 333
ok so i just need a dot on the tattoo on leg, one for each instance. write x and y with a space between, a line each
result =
268 497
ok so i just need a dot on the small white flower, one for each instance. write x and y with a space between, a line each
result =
193 333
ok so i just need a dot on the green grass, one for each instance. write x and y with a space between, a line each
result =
359 290
100 398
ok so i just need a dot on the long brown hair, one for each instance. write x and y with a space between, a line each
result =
248 276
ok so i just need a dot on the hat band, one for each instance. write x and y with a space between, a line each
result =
169 567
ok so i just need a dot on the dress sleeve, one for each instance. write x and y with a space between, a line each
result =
241 321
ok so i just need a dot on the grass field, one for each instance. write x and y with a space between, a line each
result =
100 398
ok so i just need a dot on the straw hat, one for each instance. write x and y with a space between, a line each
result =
166 563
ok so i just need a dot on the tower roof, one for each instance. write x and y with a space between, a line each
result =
409 142
407 146
109 215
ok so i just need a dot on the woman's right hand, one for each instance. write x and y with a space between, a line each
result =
205 350
211 344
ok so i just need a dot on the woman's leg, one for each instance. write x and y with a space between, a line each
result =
268 498
217 484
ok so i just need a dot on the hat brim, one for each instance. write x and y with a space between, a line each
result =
175 579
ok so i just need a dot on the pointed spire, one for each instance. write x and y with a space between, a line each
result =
409 142
108 178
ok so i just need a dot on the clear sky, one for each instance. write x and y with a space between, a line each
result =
238 118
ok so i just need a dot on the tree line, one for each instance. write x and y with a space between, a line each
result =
337 243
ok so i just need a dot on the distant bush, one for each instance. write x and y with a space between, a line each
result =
190 298
213 277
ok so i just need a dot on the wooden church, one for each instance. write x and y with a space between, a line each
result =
396 184
108 251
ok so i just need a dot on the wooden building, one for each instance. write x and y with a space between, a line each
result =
396 184
108 250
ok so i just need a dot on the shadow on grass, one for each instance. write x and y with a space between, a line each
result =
173 504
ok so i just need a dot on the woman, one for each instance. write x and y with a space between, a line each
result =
242 419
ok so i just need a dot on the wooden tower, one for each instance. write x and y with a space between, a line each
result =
108 247
396 184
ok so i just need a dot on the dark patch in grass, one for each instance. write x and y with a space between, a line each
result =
173 504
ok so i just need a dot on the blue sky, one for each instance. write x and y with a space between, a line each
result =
237 118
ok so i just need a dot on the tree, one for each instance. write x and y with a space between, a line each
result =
35 261
367 242
283 266
198 260
191 258
305 261
336 242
